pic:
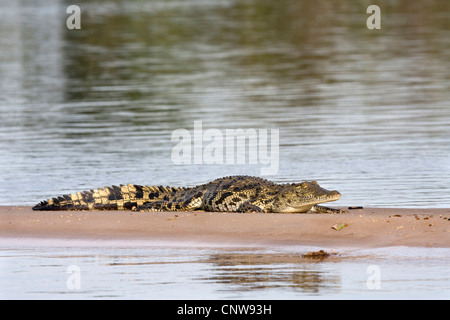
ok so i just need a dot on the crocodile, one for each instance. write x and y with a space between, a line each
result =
228 194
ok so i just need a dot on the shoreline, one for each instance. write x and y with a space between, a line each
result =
365 228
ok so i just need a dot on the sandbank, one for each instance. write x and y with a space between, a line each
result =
363 228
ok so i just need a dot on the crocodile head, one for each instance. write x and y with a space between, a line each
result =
301 197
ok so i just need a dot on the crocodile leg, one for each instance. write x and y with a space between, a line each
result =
247 207
161 205
165 205
322 209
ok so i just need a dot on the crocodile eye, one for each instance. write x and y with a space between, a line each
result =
314 182
304 185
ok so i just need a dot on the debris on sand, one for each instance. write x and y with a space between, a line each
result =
321 254
339 226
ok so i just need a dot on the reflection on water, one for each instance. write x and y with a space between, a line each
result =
244 271
266 271
365 112
137 270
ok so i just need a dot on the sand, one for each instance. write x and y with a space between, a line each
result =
364 228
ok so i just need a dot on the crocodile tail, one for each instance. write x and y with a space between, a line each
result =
124 197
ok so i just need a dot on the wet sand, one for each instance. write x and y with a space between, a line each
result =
365 228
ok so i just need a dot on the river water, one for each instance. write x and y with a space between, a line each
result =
78 269
362 111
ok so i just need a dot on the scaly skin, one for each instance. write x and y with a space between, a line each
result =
232 194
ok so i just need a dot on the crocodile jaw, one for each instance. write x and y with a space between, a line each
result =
300 198
302 208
